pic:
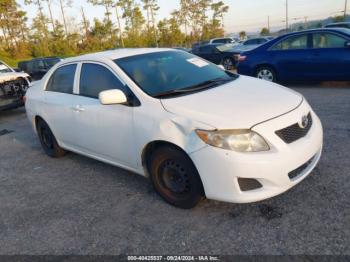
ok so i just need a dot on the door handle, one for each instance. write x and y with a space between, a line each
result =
78 108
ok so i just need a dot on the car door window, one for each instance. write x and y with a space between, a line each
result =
39 65
206 50
62 80
326 40
96 78
294 42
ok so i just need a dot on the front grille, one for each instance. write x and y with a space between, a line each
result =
294 132
296 172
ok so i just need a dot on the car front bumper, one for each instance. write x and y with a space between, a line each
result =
220 169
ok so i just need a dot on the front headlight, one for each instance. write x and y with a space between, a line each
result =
237 140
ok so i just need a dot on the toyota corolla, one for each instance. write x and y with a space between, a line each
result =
193 128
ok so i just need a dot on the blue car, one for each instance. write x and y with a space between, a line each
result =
314 55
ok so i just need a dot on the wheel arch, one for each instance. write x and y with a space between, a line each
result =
151 147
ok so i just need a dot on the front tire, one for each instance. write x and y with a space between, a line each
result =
266 73
175 178
48 140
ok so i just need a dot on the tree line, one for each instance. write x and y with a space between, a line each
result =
126 23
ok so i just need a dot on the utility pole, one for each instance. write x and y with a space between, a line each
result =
305 22
268 23
346 7
287 25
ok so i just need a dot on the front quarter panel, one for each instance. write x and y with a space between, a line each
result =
154 123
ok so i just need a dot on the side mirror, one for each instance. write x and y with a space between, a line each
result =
347 44
112 97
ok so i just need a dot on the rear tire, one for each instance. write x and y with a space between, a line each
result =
175 178
48 140
266 73
228 63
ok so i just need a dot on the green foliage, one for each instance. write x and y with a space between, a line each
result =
21 39
338 19
265 32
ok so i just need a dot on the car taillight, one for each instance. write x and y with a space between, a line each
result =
242 58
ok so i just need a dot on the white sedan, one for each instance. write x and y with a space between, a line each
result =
194 129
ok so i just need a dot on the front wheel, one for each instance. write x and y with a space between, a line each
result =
266 73
175 178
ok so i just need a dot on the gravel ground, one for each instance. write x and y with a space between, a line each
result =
76 205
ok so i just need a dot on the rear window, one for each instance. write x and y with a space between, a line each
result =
62 80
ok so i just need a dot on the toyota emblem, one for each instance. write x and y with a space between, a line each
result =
304 122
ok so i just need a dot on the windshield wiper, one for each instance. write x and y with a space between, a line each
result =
203 85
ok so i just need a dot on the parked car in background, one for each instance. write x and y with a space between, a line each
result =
218 54
340 24
224 40
194 129
13 86
248 45
183 49
251 44
38 67
315 55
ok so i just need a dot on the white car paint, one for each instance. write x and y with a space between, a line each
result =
85 126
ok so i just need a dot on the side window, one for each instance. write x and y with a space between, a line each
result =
62 80
39 65
294 42
206 50
326 40
95 78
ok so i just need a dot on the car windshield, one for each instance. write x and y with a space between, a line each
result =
4 68
172 72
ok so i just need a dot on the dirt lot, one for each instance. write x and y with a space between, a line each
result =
76 205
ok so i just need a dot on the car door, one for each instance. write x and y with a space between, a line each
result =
103 131
289 57
329 57
210 53
58 100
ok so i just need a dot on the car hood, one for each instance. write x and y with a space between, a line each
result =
4 77
240 104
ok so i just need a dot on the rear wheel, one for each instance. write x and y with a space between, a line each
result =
228 63
266 73
48 140
175 178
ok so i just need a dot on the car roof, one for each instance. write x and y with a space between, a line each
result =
340 23
118 53
341 30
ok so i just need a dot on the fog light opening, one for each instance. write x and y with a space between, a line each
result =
247 184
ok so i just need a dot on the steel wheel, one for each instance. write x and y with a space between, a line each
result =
175 178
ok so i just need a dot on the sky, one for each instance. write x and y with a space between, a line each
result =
248 15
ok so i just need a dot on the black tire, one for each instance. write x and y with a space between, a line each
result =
48 140
228 63
267 73
175 178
